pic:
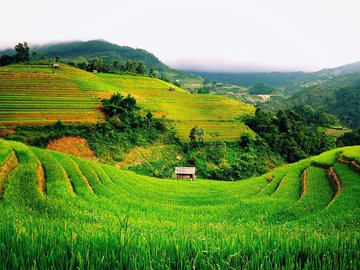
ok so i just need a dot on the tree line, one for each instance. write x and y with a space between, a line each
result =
22 55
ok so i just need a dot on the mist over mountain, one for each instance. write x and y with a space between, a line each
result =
80 51
288 81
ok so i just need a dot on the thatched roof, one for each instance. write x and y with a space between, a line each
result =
184 170
56 65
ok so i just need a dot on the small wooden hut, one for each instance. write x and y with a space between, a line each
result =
185 173
56 66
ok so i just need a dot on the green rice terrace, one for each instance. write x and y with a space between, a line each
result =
35 94
59 211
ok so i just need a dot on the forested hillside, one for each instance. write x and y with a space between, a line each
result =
338 96
289 82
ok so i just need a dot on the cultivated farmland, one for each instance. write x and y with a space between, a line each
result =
37 95
60 211
40 95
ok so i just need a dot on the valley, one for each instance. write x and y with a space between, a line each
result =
89 147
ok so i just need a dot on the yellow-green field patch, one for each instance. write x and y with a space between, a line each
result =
38 95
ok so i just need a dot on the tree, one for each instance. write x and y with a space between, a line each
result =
152 72
34 56
116 65
148 118
82 65
245 140
124 108
22 52
128 66
44 57
196 136
287 134
95 64
349 138
57 58
140 68
6 60
204 90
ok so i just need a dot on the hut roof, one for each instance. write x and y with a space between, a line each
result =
56 65
184 170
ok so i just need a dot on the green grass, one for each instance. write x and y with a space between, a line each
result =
352 153
138 222
5 152
31 94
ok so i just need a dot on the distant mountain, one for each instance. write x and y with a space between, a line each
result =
79 51
260 89
338 96
289 82
273 79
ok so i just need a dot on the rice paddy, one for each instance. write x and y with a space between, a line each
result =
39 95
91 215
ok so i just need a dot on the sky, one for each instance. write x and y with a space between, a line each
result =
226 35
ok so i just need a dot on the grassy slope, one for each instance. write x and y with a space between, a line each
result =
95 214
38 94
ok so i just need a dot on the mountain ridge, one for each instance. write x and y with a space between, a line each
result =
79 51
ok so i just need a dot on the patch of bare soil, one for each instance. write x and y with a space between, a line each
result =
76 146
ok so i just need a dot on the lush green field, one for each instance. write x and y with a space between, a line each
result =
59 211
38 94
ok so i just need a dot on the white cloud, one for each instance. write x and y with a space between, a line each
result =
281 34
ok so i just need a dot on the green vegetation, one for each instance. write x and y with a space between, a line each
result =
338 96
105 56
260 89
349 138
44 95
287 134
22 55
315 117
91 215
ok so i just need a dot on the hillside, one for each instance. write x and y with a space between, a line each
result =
289 82
338 96
79 51
38 94
60 211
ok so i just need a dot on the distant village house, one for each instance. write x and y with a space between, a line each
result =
56 66
185 173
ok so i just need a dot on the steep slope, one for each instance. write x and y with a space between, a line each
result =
35 94
62 211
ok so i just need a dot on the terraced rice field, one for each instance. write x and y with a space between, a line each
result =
38 95
216 114
60 211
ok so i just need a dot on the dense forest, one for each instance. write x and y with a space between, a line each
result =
339 96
